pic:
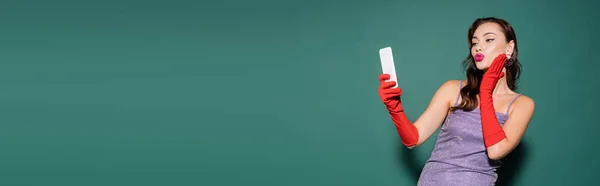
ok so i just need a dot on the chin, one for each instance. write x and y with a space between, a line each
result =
481 66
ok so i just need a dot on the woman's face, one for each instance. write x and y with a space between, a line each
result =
488 42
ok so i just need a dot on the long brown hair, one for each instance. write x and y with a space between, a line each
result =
513 66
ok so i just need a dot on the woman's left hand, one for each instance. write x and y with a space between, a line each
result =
492 131
493 74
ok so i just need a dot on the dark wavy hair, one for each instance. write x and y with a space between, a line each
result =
513 66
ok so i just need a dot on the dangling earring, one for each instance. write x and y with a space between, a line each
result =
508 61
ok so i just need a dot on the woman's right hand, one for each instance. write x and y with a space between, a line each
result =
390 96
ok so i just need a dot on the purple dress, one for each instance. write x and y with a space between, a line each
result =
459 156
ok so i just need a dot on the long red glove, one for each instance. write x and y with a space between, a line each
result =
492 131
391 98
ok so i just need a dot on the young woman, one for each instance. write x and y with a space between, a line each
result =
484 118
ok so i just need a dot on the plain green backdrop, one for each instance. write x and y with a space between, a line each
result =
272 92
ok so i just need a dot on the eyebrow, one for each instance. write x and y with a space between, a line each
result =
475 37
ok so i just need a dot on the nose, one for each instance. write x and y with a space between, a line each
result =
477 48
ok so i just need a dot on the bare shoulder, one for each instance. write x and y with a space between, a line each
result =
450 90
524 105
525 101
452 84
452 87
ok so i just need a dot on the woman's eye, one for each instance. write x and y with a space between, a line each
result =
489 40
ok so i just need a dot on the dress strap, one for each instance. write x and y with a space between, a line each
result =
511 102
458 97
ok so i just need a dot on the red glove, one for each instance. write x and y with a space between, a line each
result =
492 131
391 98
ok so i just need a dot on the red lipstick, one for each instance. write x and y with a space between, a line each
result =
479 57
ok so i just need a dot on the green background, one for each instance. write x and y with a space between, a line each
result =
271 92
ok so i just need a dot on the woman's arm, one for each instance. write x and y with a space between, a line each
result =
413 135
501 140
514 128
437 110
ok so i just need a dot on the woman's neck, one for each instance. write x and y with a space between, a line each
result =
502 86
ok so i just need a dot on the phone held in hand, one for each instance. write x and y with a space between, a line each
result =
387 63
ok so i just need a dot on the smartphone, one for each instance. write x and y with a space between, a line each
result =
387 63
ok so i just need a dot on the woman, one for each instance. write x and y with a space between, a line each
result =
484 119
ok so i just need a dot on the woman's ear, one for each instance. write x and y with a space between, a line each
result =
510 47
